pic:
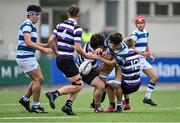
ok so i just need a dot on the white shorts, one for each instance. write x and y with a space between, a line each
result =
144 63
27 65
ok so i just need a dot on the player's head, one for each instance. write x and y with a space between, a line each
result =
140 22
73 11
33 13
97 41
115 40
129 42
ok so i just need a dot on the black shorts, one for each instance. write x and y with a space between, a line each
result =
129 89
89 78
67 66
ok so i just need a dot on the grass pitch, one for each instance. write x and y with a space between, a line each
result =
168 109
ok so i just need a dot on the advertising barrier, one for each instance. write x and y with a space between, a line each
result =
168 70
11 74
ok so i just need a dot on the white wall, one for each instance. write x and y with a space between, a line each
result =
97 13
12 14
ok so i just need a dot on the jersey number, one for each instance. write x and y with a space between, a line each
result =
135 64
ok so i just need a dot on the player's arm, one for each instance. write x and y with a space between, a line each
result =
43 44
29 43
80 50
78 46
148 54
110 62
52 43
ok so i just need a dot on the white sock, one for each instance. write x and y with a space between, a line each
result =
148 93
36 104
25 98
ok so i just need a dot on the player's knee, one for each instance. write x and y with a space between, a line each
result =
155 78
41 80
78 85
101 87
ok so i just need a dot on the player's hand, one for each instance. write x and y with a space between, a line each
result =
49 51
152 58
99 51
146 54
91 55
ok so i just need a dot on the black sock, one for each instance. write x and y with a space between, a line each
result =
55 94
127 100
69 103
112 104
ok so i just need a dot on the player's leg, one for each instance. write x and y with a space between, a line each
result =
72 90
92 104
111 97
31 68
99 86
37 77
25 99
29 92
118 89
118 94
127 90
126 102
71 71
151 85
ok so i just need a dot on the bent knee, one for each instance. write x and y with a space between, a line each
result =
38 80
155 79
78 85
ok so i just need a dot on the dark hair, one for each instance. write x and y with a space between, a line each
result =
97 40
115 38
35 8
73 11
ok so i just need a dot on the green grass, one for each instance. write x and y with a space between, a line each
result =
168 109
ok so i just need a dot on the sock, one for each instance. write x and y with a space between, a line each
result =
25 98
55 94
36 104
93 102
127 100
69 103
149 90
119 104
97 105
112 104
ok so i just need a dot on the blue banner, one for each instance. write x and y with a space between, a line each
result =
168 70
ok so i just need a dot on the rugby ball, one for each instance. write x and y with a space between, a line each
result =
85 67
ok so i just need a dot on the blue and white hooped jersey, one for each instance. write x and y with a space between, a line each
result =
87 48
131 69
118 55
141 39
23 51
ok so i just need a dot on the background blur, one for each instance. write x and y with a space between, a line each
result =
162 22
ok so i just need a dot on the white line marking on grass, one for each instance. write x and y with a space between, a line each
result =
13 104
159 108
22 118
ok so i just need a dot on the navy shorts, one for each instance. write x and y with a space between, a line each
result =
128 89
67 66
89 78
